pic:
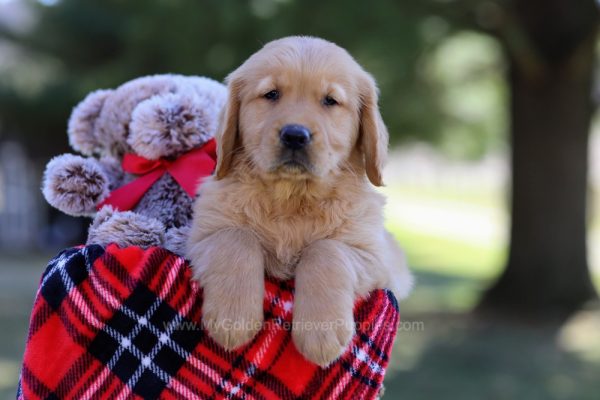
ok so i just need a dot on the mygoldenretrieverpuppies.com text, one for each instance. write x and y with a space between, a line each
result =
228 324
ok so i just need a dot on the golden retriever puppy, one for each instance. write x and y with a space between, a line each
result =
300 139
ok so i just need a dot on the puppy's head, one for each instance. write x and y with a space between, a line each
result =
302 108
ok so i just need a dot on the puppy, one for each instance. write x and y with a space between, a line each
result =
300 139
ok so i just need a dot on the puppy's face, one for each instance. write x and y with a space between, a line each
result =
298 109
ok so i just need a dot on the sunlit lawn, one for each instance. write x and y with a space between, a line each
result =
456 244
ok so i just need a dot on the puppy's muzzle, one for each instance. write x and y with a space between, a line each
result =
295 137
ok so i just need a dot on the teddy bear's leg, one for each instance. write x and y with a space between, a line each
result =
74 184
125 228
176 239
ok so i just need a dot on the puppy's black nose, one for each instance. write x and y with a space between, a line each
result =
294 136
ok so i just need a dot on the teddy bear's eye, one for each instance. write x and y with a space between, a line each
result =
273 95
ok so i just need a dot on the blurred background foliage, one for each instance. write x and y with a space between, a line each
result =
437 81
448 71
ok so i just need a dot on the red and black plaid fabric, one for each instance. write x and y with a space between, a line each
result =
124 323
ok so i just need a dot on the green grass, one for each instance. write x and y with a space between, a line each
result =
485 197
448 256
19 276
454 356
447 251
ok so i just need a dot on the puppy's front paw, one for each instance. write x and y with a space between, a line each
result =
229 266
322 341
230 321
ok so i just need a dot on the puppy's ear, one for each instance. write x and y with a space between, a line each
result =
228 132
373 135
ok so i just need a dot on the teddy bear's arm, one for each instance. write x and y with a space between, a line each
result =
75 185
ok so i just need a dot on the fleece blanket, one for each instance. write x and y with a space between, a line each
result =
125 323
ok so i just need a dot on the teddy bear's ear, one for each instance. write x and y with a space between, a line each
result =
82 122
169 124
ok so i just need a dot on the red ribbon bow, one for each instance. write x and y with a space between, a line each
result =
188 170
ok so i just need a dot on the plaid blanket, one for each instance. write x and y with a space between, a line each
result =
123 323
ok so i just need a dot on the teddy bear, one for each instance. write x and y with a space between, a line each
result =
145 147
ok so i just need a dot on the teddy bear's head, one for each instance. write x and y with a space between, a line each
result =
154 116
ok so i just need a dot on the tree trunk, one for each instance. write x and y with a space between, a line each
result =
551 107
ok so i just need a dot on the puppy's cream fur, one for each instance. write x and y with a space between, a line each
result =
321 223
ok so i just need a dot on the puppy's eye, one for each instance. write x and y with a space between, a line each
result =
329 101
272 95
